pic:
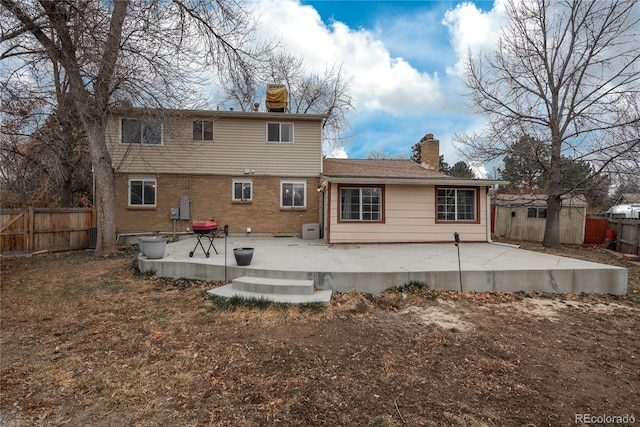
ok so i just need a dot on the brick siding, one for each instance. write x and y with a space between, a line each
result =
211 198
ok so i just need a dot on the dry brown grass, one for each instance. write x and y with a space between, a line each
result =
87 340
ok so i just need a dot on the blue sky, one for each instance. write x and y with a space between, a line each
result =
405 58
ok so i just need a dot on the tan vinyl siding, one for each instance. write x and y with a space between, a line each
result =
238 145
409 217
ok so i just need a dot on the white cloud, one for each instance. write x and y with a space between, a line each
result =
399 94
478 170
472 29
335 152
381 82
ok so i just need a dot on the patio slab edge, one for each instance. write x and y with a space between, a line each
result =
603 280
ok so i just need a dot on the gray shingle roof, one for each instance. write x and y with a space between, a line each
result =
377 168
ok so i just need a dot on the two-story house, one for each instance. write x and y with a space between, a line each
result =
256 171
263 173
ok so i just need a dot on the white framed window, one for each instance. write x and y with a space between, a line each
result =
242 190
135 131
279 132
293 194
361 204
142 192
203 130
457 204
536 213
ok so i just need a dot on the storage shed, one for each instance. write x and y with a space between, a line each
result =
523 217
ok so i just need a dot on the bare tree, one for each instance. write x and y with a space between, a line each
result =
45 158
309 93
380 154
562 73
150 53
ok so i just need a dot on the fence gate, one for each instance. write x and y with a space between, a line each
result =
595 230
14 231
34 229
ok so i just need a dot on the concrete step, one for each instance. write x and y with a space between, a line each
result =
227 291
266 285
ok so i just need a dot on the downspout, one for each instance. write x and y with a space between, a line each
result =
490 191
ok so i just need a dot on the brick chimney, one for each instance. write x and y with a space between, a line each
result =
430 152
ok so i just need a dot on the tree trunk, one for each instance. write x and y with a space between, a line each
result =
554 200
552 224
105 195
66 193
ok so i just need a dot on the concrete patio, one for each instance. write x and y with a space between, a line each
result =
374 268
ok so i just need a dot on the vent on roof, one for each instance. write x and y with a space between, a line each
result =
277 97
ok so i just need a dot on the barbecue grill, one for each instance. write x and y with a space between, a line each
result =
208 230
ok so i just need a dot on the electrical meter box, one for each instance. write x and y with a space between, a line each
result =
185 209
174 213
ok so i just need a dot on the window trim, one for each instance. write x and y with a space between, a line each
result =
383 216
294 182
142 123
233 190
280 141
456 221
143 180
202 130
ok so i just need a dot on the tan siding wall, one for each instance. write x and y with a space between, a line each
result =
519 227
409 217
238 144
211 198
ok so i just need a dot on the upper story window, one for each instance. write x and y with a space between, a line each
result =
141 132
279 132
142 192
242 191
361 204
203 130
457 204
293 194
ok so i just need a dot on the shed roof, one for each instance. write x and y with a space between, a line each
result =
629 198
537 200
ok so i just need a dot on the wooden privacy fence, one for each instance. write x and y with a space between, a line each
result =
34 229
627 235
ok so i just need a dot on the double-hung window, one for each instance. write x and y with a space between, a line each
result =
293 194
242 191
457 204
203 130
141 132
279 132
361 204
142 192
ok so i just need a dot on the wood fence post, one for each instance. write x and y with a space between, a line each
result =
29 227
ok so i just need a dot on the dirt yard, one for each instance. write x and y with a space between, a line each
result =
88 340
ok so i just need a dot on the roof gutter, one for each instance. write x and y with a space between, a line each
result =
414 181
